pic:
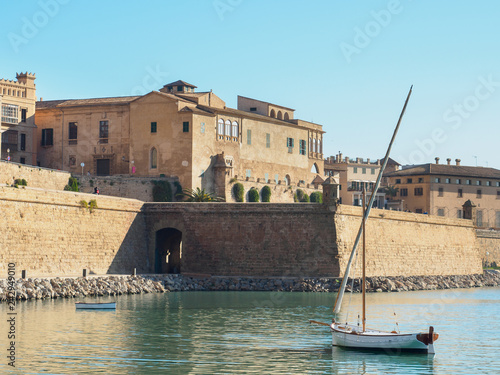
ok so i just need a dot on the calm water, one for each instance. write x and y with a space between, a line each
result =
250 333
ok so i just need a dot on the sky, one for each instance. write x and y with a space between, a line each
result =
345 65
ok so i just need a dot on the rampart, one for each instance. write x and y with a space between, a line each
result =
35 176
49 233
489 243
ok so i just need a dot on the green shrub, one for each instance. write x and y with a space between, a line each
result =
84 204
266 194
20 182
238 192
91 182
306 198
316 197
72 184
301 196
162 191
253 195
92 205
295 198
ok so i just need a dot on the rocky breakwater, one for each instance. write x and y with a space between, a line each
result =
40 288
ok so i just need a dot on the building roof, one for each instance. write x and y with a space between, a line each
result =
261 101
85 102
180 83
446 170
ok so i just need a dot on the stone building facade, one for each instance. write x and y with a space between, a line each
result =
443 189
179 132
17 102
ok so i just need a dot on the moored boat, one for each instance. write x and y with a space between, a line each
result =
95 305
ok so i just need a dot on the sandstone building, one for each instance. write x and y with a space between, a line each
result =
443 189
17 102
180 132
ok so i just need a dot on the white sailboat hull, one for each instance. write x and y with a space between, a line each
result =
351 337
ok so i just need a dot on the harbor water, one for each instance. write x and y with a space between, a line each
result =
249 333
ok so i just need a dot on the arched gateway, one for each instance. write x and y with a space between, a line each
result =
168 251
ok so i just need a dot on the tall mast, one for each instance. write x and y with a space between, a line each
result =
364 260
340 295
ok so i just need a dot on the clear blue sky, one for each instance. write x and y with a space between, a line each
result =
345 65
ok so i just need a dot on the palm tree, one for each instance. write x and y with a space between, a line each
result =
391 191
199 195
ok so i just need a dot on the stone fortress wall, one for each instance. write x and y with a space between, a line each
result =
49 233
35 176
489 244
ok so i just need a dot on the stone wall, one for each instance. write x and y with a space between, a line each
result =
408 244
489 243
35 176
49 233
140 188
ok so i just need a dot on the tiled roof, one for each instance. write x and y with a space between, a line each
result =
85 102
447 170
180 83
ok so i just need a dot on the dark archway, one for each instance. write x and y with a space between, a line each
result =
168 251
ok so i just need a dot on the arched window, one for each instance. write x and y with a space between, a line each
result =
228 128
286 116
314 168
314 145
220 127
273 113
235 129
280 115
319 146
153 158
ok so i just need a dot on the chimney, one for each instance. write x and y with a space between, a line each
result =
458 161
347 159
448 161
437 160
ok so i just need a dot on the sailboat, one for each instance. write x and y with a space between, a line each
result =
361 337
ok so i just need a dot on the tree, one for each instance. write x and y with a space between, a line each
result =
238 192
199 195
253 195
391 191
316 197
266 194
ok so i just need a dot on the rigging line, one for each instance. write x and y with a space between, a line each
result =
352 287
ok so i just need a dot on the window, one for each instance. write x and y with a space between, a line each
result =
185 127
153 127
460 193
479 183
228 128
403 192
202 127
488 183
419 191
103 130
276 178
23 142
153 158
437 180
459 214
398 180
179 88
253 109
448 180
220 128
468 182
479 216
24 112
355 170
249 173
303 147
373 170
23 160
266 177
440 212
363 170
440 192
458 181
10 113
497 184
47 137
409 180
479 193
235 130
268 140
314 145
249 137
72 132
420 179
310 145
289 144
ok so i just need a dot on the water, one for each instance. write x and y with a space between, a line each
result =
249 333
